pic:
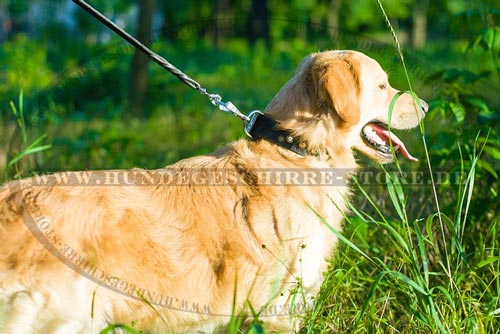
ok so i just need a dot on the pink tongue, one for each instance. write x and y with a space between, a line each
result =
388 136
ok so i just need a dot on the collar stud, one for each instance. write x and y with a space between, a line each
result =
261 126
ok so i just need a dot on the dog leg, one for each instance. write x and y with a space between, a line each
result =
278 327
64 327
23 308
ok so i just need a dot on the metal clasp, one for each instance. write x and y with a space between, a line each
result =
225 106
252 117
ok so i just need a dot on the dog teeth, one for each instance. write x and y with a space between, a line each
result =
372 134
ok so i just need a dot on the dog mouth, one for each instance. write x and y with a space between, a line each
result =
377 136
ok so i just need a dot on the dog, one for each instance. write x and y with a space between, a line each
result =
239 236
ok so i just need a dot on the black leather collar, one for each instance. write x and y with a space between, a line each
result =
261 126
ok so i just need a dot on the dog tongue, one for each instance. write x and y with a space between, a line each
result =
397 143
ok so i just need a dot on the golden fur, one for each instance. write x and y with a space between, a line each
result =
178 250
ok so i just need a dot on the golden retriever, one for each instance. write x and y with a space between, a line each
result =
238 234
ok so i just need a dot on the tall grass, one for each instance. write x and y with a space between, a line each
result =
28 148
412 274
402 274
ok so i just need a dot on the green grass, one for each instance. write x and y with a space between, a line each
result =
413 274
399 268
394 271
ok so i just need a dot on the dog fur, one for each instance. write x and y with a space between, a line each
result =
190 254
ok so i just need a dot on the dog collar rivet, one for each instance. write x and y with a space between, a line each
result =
261 126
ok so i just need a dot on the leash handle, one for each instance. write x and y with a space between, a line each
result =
214 98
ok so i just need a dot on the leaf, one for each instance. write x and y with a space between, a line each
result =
454 75
484 110
495 313
492 152
447 294
111 328
489 40
341 237
423 254
492 38
488 261
485 165
391 106
28 152
428 227
31 149
396 194
411 283
257 328
458 111
368 298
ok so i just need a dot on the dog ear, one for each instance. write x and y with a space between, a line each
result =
342 87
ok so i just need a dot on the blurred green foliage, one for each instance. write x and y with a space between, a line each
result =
24 66
75 77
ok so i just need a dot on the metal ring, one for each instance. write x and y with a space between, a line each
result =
248 125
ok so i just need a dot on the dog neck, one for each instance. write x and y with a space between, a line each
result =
264 127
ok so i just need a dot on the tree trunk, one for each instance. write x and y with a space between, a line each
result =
419 28
333 17
138 83
218 28
258 23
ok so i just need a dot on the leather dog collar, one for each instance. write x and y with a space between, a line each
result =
261 126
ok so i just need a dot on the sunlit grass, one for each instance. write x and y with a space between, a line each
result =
395 271
392 275
412 274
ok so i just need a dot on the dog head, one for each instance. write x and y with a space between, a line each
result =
341 100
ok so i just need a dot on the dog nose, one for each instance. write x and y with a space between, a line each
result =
425 106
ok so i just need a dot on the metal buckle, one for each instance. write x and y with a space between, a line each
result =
252 117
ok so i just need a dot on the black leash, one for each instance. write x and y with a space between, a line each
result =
214 98
257 124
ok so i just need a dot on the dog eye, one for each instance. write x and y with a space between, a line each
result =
382 86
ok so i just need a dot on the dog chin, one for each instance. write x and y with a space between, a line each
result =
375 155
